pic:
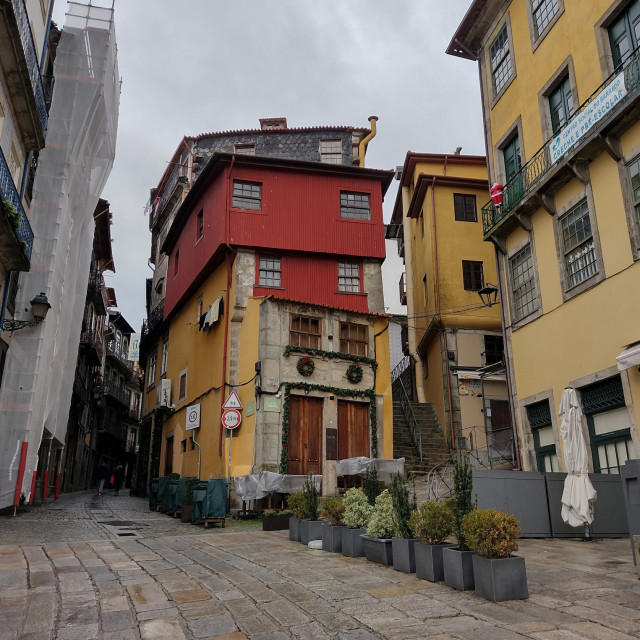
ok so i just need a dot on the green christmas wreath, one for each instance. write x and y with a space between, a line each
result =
354 373
305 366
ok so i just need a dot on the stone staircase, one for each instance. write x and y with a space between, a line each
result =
434 446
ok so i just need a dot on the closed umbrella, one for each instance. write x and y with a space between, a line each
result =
578 495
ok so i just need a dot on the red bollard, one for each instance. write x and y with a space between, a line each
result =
58 478
45 485
23 463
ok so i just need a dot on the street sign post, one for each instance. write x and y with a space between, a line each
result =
231 418
193 417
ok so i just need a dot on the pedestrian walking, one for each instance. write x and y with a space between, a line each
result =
118 476
101 476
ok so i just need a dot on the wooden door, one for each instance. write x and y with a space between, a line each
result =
501 433
168 456
305 436
353 429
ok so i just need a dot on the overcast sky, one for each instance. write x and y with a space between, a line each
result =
196 66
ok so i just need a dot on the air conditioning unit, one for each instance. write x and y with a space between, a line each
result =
164 394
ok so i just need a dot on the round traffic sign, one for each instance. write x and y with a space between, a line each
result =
231 418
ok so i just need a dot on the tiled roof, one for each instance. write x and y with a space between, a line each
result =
325 306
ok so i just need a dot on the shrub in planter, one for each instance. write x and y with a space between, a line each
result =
357 512
311 500
432 524
296 504
332 511
12 214
371 484
273 520
381 527
403 544
498 574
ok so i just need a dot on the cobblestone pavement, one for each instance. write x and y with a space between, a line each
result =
87 568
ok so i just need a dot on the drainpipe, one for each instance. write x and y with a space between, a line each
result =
365 140
411 313
193 437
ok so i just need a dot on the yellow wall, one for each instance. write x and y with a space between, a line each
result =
383 386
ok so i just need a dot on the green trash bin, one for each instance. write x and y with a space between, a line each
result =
171 504
199 494
210 500
154 498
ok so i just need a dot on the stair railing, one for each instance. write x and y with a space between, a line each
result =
409 416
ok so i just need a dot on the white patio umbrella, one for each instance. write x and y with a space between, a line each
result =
578 495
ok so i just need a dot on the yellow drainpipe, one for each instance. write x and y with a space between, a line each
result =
365 140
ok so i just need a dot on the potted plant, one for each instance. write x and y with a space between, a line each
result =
457 561
498 574
371 484
403 542
332 511
187 503
357 512
432 524
310 525
296 505
274 520
377 541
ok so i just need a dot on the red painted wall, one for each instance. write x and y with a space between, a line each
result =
300 212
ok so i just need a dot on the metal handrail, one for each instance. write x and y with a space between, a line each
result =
9 192
409 416
524 182
400 368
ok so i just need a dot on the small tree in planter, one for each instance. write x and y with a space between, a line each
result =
296 502
404 540
381 527
371 484
458 565
498 574
187 504
432 524
310 525
357 512
332 511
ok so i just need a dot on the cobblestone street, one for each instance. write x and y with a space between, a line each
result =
86 568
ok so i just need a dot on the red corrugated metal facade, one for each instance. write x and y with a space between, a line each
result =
299 219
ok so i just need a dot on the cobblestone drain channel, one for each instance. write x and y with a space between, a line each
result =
117 529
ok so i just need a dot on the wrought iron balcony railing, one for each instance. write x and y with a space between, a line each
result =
533 173
9 192
111 389
177 175
28 46
117 352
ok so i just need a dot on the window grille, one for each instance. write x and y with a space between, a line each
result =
348 277
523 284
355 205
269 271
247 195
543 12
578 246
500 60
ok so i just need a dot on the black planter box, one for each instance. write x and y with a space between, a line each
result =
332 537
378 550
294 529
352 542
429 561
500 579
404 558
310 530
275 522
458 568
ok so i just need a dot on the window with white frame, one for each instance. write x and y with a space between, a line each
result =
165 356
269 271
151 370
349 276
331 151
577 244
634 176
523 284
543 12
355 205
247 195
501 65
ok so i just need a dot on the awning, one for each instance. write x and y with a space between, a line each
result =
630 357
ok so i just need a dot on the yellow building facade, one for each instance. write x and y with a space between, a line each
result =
561 100
452 334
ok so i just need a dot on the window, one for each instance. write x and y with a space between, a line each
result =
465 207
501 66
425 295
354 339
247 195
14 164
151 370
182 386
245 149
165 356
349 276
577 244
523 284
493 349
634 176
355 205
200 224
176 262
561 105
539 416
331 151
543 12
624 33
304 332
472 275
270 271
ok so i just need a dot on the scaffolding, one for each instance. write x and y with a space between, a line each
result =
72 171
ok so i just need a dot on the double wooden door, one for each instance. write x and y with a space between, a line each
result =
305 436
353 429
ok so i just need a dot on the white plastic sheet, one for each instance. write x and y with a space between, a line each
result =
358 467
260 485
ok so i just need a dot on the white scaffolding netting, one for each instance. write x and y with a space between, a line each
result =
72 171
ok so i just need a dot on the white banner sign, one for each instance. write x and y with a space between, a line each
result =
193 417
589 117
134 347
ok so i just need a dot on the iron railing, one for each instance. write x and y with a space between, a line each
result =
119 354
400 368
409 416
177 174
28 46
111 389
499 449
9 192
154 319
531 174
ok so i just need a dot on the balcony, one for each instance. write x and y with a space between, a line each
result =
155 318
97 292
16 236
400 240
112 390
167 193
595 127
119 355
22 73
112 427
92 346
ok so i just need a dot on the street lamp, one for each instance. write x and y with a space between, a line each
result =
489 294
39 309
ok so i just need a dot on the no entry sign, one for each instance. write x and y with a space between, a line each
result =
231 418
